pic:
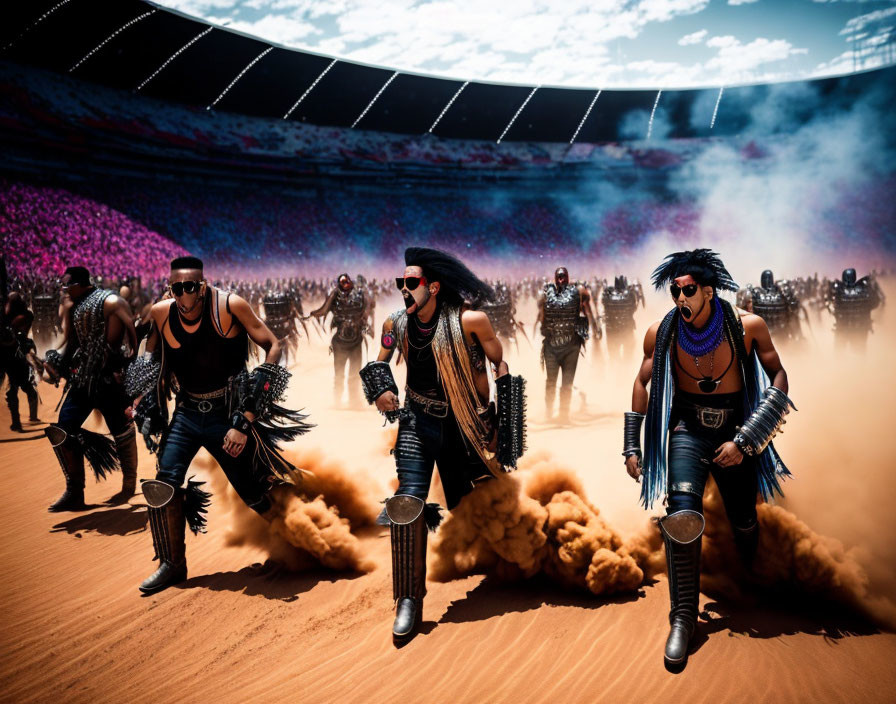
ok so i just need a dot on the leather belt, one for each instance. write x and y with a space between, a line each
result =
711 418
204 403
430 406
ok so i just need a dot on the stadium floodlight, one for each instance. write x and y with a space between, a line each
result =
111 37
517 114
445 109
310 88
652 113
715 111
239 76
173 57
35 23
585 116
375 98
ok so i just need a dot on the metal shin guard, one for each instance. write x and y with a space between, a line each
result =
682 533
71 460
408 529
126 449
168 526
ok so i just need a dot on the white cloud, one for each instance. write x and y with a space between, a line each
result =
741 2
693 37
857 24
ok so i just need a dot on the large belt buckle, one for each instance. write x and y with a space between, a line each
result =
711 417
437 410
204 406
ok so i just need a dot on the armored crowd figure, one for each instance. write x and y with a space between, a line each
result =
851 302
564 311
98 340
280 320
620 303
46 318
18 360
501 313
349 306
777 304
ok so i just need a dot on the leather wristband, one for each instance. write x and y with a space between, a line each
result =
239 422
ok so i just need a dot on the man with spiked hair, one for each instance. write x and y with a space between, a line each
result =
708 366
447 419
98 338
198 347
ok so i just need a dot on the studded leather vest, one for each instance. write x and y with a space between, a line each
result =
89 326
853 305
619 309
561 310
348 316
771 305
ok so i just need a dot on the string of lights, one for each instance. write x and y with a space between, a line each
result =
585 117
378 94
239 76
173 57
445 109
517 113
111 37
310 88
35 23
652 113
712 123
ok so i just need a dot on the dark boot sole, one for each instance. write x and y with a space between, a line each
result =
161 587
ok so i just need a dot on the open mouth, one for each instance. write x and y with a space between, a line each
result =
687 312
410 304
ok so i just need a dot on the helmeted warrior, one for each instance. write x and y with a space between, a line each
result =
777 304
348 304
18 358
98 338
564 312
851 302
710 410
45 305
198 348
447 419
620 302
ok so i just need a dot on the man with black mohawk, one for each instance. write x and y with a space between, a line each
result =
447 419
198 347
708 366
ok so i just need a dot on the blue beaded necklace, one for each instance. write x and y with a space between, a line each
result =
697 343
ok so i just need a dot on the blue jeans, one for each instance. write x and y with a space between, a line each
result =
690 464
191 429
423 441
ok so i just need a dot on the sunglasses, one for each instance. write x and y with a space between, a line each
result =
411 282
179 288
689 290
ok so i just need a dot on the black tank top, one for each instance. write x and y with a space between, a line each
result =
423 375
205 360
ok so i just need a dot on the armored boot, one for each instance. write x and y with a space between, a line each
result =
168 526
409 537
71 460
12 400
32 408
682 532
126 449
746 540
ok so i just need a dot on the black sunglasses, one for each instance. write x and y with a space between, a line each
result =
411 282
689 290
179 288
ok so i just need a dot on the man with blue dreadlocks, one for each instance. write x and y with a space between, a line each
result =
717 397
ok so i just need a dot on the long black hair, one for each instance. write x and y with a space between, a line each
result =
457 282
703 264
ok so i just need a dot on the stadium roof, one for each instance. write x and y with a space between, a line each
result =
140 47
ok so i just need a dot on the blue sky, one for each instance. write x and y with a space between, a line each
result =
588 43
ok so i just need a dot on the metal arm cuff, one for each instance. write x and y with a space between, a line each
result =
377 379
758 430
631 444
142 375
264 387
